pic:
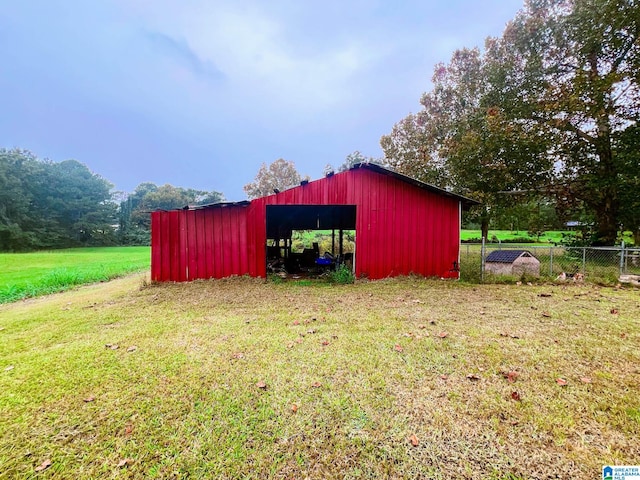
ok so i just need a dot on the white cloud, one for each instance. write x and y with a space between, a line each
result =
252 48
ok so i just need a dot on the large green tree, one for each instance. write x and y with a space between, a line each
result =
541 112
628 156
459 140
18 220
45 204
571 70
76 205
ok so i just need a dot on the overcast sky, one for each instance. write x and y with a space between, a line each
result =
199 93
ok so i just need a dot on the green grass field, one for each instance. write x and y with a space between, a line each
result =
25 275
502 235
550 237
243 378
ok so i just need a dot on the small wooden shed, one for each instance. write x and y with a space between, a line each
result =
512 262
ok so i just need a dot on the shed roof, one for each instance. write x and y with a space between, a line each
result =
467 202
507 256
243 203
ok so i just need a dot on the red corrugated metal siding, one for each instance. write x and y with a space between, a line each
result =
191 244
400 229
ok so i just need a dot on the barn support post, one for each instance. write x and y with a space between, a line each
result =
482 253
459 237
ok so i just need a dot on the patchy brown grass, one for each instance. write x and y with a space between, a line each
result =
367 366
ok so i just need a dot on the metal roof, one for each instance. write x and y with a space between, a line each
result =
507 256
467 202
243 203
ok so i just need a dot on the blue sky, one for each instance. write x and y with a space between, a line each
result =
199 93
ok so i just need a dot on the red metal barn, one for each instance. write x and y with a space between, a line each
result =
402 226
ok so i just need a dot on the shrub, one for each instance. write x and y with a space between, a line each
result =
342 274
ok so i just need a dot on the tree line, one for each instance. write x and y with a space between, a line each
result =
545 114
47 205
541 126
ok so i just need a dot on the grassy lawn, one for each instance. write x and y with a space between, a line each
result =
502 235
30 274
389 379
548 237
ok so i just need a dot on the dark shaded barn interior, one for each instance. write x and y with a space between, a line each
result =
283 220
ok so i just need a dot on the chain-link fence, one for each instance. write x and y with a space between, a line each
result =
495 262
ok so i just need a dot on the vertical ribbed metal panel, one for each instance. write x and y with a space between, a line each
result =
191 244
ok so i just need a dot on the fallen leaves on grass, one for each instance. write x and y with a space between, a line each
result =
561 381
132 348
585 380
443 334
9 368
294 407
296 322
422 326
89 399
473 377
299 340
128 430
510 376
544 295
325 343
111 346
444 377
44 465
312 331
546 314
515 396
316 384
239 355
261 385
510 335
614 311
414 440
398 348
124 462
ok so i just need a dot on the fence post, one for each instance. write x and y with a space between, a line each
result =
482 261
551 262
584 260
622 258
